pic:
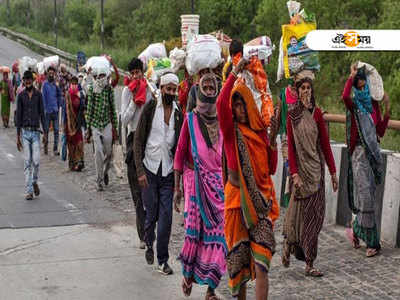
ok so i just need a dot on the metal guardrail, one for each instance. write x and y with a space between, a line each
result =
46 50
334 118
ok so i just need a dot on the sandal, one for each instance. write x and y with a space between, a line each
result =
210 296
187 287
313 272
353 238
371 252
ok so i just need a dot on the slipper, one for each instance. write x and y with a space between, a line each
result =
371 252
352 238
314 273
212 297
186 287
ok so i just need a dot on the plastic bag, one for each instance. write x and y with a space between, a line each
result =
53 61
296 54
99 65
261 47
374 80
177 57
280 74
157 68
40 68
26 63
203 52
153 51
293 7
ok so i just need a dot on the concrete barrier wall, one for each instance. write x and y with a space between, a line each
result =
390 225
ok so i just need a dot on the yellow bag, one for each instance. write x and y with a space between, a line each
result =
297 55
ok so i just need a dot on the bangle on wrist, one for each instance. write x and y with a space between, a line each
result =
234 73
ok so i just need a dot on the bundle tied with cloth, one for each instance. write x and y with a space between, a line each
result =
203 52
257 52
294 54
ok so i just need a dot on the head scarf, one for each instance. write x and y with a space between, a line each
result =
99 84
205 105
256 122
362 98
300 82
361 75
206 109
169 78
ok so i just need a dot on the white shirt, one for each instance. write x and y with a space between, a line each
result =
160 141
130 112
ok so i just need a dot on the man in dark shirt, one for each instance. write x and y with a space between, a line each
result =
30 113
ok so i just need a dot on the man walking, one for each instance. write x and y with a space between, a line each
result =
52 101
155 144
102 123
134 95
29 115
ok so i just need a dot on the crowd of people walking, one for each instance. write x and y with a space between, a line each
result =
211 154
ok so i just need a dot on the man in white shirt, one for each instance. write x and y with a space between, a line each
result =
131 108
156 138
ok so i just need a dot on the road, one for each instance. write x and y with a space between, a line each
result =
95 254
71 242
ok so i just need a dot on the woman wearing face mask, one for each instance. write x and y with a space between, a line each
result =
74 120
308 149
200 150
364 128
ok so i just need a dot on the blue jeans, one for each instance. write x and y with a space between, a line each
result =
53 118
31 144
157 201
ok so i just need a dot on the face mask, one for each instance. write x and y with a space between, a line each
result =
29 88
168 98
100 84
51 78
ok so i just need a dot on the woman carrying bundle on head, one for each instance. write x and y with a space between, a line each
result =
364 126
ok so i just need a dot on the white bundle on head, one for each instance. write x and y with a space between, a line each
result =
203 52
99 65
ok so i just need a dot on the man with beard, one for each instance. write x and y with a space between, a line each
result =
155 143
29 115
102 124
52 101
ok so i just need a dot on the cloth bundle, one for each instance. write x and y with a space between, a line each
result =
53 61
156 50
99 65
375 81
158 67
261 47
25 63
177 58
203 52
